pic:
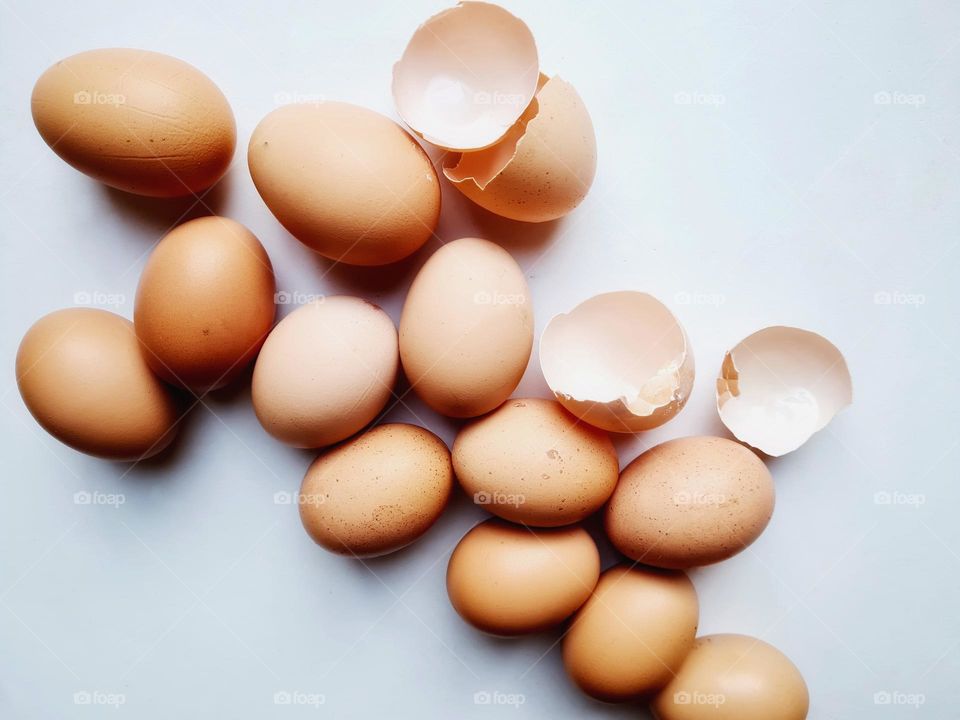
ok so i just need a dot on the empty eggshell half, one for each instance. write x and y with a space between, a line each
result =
542 168
466 76
779 386
619 361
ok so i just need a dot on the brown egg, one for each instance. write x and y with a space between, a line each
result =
734 677
509 580
378 492
136 120
631 636
82 376
532 462
467 328
325 371
691 501
205 303
345 181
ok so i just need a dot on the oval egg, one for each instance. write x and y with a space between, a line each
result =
734 677
325 371
509 580
690 501
205 303
532 462
139 121
81 374
632 634
345 181
466 331
378 492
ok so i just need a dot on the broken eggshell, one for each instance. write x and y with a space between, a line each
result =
466 76
619 361
542 168
779 386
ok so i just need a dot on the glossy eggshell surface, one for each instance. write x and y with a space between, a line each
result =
83 377
325 371
139 121
532 462
466 331
509 580
205 303
633 633
378 492
346 181
690 501
734 677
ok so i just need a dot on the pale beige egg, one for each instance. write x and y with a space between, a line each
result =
632 635
532 462
466 331
83 377
377 492
690 501
509 580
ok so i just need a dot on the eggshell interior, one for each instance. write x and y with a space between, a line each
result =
466 75
781 385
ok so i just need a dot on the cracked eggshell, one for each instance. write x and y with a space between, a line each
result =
345 181
136 120
754 679
620 361
532 462
509 580
325 371
689 502
779 386
544 166
466 75
466 330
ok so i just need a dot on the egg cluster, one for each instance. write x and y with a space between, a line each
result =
522 147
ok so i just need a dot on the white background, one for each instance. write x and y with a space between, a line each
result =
748 176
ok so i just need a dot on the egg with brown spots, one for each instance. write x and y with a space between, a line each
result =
378 492
532 462
691 501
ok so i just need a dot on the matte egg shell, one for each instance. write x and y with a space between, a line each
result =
83 377
345 181
378 492
466 331
136 120
205 303
691 501
532 462
509 580
325 371
633 633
